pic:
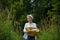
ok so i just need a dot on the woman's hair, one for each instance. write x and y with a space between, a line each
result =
30 16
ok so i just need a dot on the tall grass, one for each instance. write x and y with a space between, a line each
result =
7 33
48 30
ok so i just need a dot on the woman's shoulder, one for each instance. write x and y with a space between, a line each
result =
34 23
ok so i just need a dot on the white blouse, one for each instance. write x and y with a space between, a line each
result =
28 25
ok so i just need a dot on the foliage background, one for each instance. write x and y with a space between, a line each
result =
13 17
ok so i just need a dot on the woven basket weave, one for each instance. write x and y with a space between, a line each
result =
32 31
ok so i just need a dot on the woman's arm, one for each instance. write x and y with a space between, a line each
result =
24 30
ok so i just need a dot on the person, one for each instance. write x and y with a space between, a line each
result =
30 23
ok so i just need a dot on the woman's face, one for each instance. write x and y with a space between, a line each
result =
29 19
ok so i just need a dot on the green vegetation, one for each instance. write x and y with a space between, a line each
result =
13 17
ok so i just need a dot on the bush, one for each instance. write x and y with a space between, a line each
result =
49 34
6 32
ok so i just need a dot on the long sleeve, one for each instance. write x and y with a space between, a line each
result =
24 30
33 25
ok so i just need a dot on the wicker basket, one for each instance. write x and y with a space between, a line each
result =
32 31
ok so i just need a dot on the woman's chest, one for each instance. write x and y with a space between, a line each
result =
30 25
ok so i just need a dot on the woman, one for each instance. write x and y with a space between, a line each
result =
29 24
